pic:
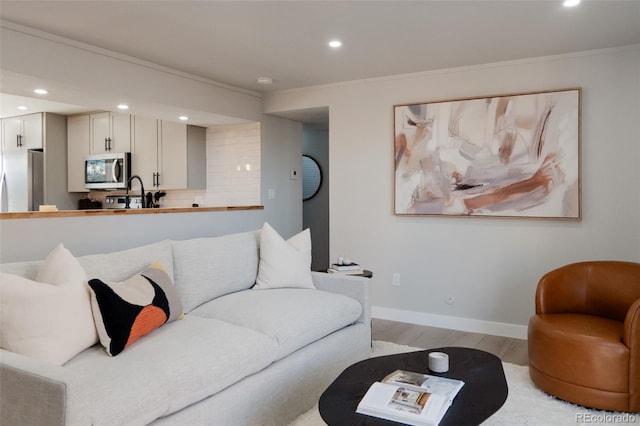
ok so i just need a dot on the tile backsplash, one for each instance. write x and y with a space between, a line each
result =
233 169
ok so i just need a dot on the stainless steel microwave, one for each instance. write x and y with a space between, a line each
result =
107 171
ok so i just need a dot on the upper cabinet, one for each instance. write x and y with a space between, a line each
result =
44 132
110 132
23 132
166 155
160 153
78 137
97 133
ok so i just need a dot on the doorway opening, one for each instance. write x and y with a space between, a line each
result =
315 204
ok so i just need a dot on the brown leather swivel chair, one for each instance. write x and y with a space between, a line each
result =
584 340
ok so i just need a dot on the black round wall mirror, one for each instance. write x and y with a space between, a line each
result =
311 177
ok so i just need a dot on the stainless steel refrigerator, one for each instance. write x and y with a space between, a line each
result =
22 180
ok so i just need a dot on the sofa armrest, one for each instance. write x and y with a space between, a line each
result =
631 338
37 393
631 334
351 286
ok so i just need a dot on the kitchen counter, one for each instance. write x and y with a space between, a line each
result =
111 212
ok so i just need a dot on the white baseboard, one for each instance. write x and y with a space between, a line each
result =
452 323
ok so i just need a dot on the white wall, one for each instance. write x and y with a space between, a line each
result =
33 239
490 266
100 79
281 151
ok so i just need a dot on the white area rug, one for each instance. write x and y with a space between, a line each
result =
525 405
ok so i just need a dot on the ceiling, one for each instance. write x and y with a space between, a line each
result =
235 42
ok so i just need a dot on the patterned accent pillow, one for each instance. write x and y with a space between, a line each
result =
125 311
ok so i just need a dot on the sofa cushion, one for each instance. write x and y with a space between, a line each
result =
292 317
24 269
49 319
125 311
284 263
177 365
120 265
206 268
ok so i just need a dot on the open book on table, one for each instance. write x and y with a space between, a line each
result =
411 398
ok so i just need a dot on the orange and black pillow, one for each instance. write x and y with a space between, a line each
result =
125 311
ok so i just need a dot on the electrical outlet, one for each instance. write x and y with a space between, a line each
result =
450 299
396 279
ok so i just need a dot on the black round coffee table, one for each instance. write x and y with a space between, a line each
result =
484 392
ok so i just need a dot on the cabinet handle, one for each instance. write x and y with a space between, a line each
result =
18 141
109 144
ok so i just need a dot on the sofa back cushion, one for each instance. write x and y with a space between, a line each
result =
207 268
23 269
121 265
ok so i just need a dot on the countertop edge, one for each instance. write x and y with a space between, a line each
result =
111 212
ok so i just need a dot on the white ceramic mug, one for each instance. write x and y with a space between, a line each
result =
438 362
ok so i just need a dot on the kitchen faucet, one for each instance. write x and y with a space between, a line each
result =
126 202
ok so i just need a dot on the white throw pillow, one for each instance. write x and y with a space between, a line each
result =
284 263
48 319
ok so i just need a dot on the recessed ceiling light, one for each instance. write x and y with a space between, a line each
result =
571 3
41 91
183 118
123 106
22 108
335 43
264 80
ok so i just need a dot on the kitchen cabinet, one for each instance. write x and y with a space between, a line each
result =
44 139
22 132
159 154
110 132
78 147
196 157
96 133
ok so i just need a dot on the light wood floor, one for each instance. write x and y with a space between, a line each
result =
507 349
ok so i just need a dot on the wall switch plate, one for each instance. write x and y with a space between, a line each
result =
294 174
271 194
396 279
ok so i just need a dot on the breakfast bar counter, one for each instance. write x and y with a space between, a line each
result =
112 212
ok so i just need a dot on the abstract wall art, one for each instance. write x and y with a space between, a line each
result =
514 155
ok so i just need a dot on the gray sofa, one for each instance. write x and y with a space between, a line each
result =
239 356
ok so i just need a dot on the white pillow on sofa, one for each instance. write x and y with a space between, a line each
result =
284 263
48 319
